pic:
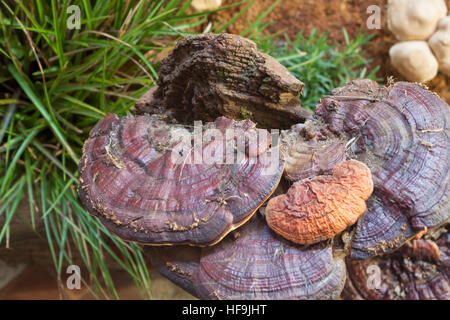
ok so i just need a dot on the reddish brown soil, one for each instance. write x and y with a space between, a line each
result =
294 16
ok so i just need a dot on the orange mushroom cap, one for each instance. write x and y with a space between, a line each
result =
318 209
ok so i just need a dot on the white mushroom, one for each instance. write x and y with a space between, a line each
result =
206 5
440 44
415 19
414 60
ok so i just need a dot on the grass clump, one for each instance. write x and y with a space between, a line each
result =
56 84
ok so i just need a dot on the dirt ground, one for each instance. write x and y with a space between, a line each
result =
294 16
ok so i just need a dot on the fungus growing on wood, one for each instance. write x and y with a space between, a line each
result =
259 264
401 133
419 270
414 60
213 75
440 44
414 19
151 182
318 209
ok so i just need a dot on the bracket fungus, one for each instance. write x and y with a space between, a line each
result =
318 209
419 270
259 264
414 19
210 75
373 160
401 133
141 177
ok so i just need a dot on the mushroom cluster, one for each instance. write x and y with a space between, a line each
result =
368 172
423 30
401 133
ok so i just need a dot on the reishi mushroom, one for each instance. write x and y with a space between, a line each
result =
259 264
440 44
418 270
131 180
414 60
212 75
139 176
414 19
317 209
401 133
